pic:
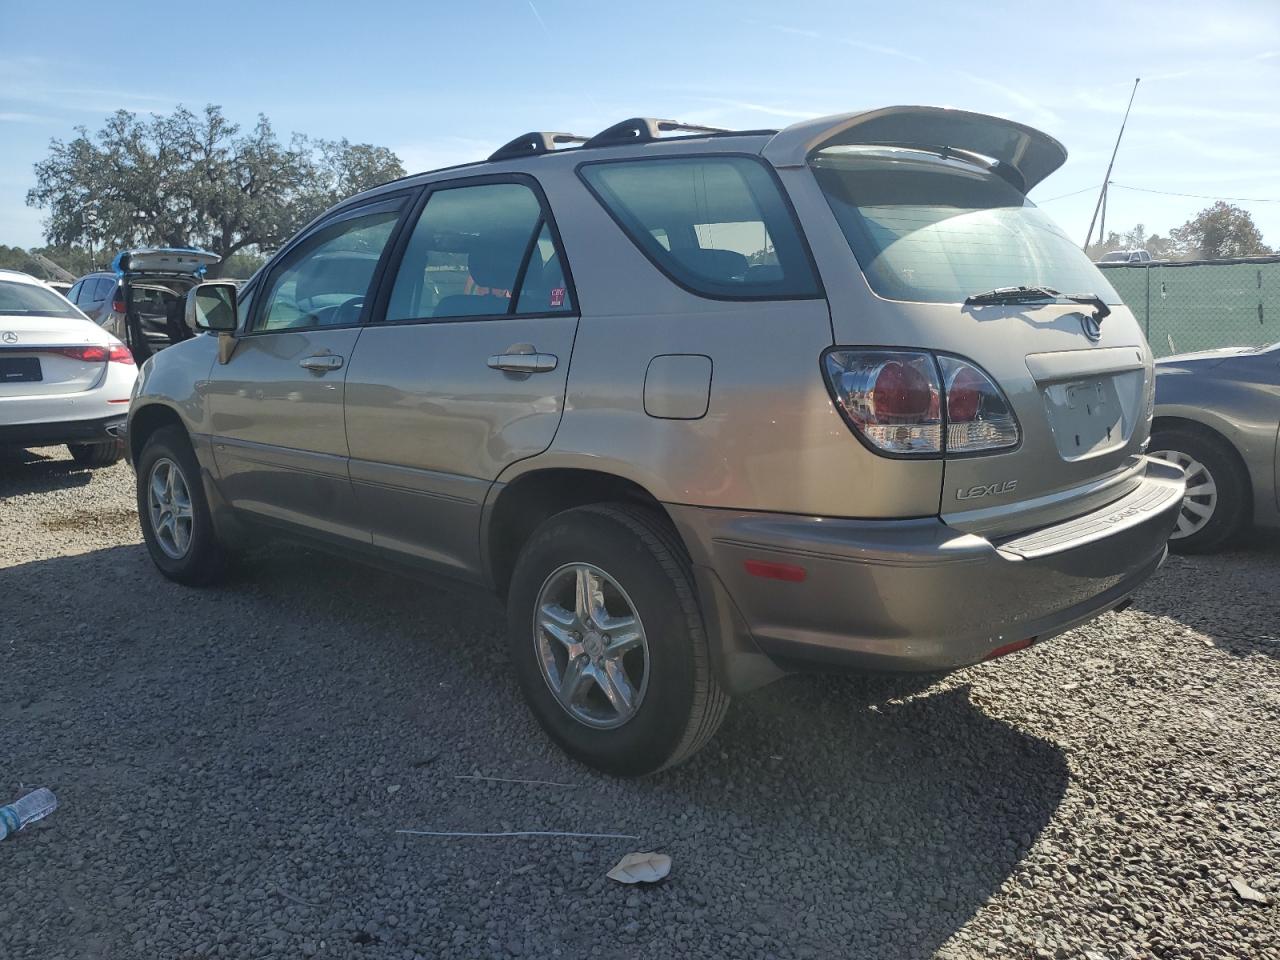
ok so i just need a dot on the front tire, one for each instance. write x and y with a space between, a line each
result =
174 513
608 642
102 454
1217 500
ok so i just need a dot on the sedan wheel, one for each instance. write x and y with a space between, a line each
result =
1201 499
1217 502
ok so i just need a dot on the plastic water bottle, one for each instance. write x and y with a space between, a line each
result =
36 805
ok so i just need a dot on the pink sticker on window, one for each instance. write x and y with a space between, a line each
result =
557 296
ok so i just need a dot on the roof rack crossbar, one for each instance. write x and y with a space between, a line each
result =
644 129
534 142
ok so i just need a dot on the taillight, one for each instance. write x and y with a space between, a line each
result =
83 354
978 415
891 397
115 353
912 403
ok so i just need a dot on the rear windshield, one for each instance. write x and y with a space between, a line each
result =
29 300
717 225
934 230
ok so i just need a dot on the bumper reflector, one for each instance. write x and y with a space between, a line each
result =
1010 648
775 571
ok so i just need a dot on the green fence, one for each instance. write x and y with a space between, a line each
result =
1201 304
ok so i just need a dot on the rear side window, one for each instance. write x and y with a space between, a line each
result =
484 250
718 226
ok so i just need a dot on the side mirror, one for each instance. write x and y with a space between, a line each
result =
212 306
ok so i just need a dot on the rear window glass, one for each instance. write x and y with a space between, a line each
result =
717 225
28 300
933 230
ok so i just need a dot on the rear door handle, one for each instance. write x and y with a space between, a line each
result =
524 362
321 362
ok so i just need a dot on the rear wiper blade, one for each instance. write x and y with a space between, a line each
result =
1024 294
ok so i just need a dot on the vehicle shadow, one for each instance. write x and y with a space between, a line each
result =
31 471
1229 597
831 816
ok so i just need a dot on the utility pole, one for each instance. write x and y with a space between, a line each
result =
1106 181
1102 224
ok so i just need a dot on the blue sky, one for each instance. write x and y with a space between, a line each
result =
443 83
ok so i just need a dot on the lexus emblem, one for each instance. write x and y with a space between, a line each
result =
9 336
1091 326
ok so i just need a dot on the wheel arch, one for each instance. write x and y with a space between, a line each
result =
145 421
516 508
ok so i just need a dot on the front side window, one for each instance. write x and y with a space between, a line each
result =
937 231
28 300
325 282
717 225
479 251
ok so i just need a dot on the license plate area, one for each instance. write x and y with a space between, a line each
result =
20 370
1088 416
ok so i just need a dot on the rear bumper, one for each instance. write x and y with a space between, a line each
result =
918 595
63 431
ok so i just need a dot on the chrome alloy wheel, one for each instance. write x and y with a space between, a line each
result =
591 645
169 504
1202 493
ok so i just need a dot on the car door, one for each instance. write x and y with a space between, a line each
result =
275 407
463 369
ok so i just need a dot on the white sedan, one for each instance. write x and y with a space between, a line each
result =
63 379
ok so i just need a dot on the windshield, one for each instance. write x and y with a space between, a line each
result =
29 300
934 230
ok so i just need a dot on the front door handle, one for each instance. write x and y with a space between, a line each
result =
321 362
524 362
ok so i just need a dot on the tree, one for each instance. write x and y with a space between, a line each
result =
1133 239
1222 230
196 180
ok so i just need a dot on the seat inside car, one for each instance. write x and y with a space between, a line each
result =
493 268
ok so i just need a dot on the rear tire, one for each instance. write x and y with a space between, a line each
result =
1217 500
174 513
102 454
637 564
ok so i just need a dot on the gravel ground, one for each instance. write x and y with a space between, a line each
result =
233 765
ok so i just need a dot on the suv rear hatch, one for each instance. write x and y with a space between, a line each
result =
932 206
146 274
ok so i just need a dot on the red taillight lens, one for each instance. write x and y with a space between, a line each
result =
119 353
964 395
978 415
83 354
118 306
901 391
891 397
900 401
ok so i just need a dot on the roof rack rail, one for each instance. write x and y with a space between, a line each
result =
644 129
534 142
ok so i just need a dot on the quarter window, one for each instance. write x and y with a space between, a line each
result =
326 281
717 225
480 251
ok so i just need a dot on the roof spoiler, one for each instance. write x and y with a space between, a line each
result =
1023 155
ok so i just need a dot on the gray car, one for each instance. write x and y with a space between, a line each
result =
703 406
139 300
1218 418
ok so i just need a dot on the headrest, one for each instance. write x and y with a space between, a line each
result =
494 266
348 272
722 265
